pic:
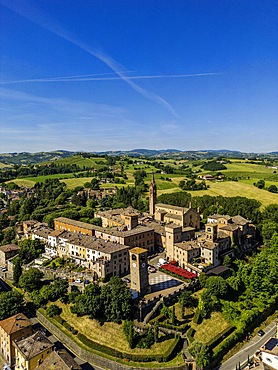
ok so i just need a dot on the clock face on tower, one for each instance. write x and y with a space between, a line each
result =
143 264
134 264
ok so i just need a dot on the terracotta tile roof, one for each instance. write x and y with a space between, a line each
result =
15 323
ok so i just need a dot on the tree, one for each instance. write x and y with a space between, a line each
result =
201 353
94 183
88 303
53 310
139 176
17 270
268 229
37 298
217 286
186 298
203 279
173 315
10 304
165 311
227 261
116 300
29 250
129 332
273 189
155 331
260 184
31 279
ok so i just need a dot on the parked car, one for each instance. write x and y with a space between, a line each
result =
127 280
86 282
78 281
3 269
261 333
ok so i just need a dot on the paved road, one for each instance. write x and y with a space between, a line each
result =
248 349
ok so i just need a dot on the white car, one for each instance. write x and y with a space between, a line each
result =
78 281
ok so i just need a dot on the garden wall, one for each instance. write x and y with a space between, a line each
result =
90 357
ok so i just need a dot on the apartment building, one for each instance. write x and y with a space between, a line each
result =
13 329
140 236
31 351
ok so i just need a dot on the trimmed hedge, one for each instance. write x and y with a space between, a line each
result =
182 328
133 357
190 334
219 338
197 318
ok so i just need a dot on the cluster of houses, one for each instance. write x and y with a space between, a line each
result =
24 348
105 249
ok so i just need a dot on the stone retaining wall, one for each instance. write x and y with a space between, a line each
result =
88 356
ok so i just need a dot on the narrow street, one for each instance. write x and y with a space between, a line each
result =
248 349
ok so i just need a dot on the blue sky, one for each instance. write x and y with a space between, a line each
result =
99 75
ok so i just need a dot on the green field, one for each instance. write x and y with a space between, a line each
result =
81 162
245 172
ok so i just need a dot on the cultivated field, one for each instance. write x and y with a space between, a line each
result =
245 172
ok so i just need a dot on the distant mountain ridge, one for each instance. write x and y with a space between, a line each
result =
39 157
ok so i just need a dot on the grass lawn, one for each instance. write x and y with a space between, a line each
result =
210 328
109 334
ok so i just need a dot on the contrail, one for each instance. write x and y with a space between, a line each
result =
91 77
40 20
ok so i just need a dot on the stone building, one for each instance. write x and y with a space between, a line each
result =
7 252
121 217
140 236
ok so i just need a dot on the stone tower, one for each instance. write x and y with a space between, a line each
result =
211 232
152 200
139 270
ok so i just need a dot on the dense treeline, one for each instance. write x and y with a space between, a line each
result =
110 302
214 166
39 170
208 205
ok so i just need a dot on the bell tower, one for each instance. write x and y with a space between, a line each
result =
139 270
211 232
152 200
